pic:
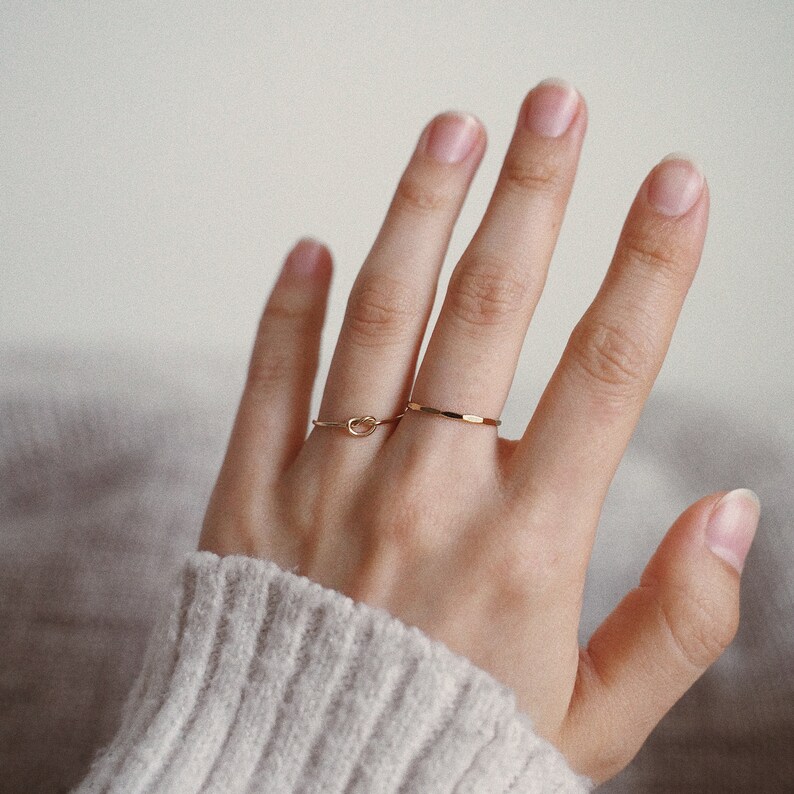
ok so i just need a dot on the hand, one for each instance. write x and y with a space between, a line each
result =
480 541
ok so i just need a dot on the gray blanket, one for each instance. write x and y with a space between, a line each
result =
107 460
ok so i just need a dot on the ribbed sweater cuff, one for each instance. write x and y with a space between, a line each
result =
256 679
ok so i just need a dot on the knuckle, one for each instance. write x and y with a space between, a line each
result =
487 293
287 321
616 360
287 306
516 577
526 571
408 531
380 311
535 176
411 531
417 196
699 626
269 371
660 259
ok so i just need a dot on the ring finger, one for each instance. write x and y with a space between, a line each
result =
375 357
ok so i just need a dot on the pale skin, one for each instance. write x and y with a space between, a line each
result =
481 541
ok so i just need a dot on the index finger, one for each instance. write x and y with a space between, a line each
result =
591 405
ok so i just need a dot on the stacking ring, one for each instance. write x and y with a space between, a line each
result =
358 425
471 418
361 426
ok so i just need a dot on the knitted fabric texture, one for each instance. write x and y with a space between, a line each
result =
257 679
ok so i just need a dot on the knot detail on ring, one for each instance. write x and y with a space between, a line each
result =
359 426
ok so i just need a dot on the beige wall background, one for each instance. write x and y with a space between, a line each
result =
158 159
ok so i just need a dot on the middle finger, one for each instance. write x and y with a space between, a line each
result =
495 287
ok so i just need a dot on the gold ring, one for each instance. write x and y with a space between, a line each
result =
358 425
471 418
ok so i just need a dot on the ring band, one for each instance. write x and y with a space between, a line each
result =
358 425
471 418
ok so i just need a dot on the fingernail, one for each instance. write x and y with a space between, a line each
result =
451 137
732 526
676 184
551 107
304 257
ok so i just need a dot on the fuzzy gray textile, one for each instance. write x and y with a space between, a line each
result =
107 460
259 680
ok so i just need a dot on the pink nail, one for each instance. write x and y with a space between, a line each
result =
302 260
675 186
551 107
451 137
732 526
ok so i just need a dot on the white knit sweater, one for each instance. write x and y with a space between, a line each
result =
257 679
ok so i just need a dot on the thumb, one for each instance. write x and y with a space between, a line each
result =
663 635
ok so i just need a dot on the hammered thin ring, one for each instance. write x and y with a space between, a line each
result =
471 418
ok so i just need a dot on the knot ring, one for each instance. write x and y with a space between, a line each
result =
358 426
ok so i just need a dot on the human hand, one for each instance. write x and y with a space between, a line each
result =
480 541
